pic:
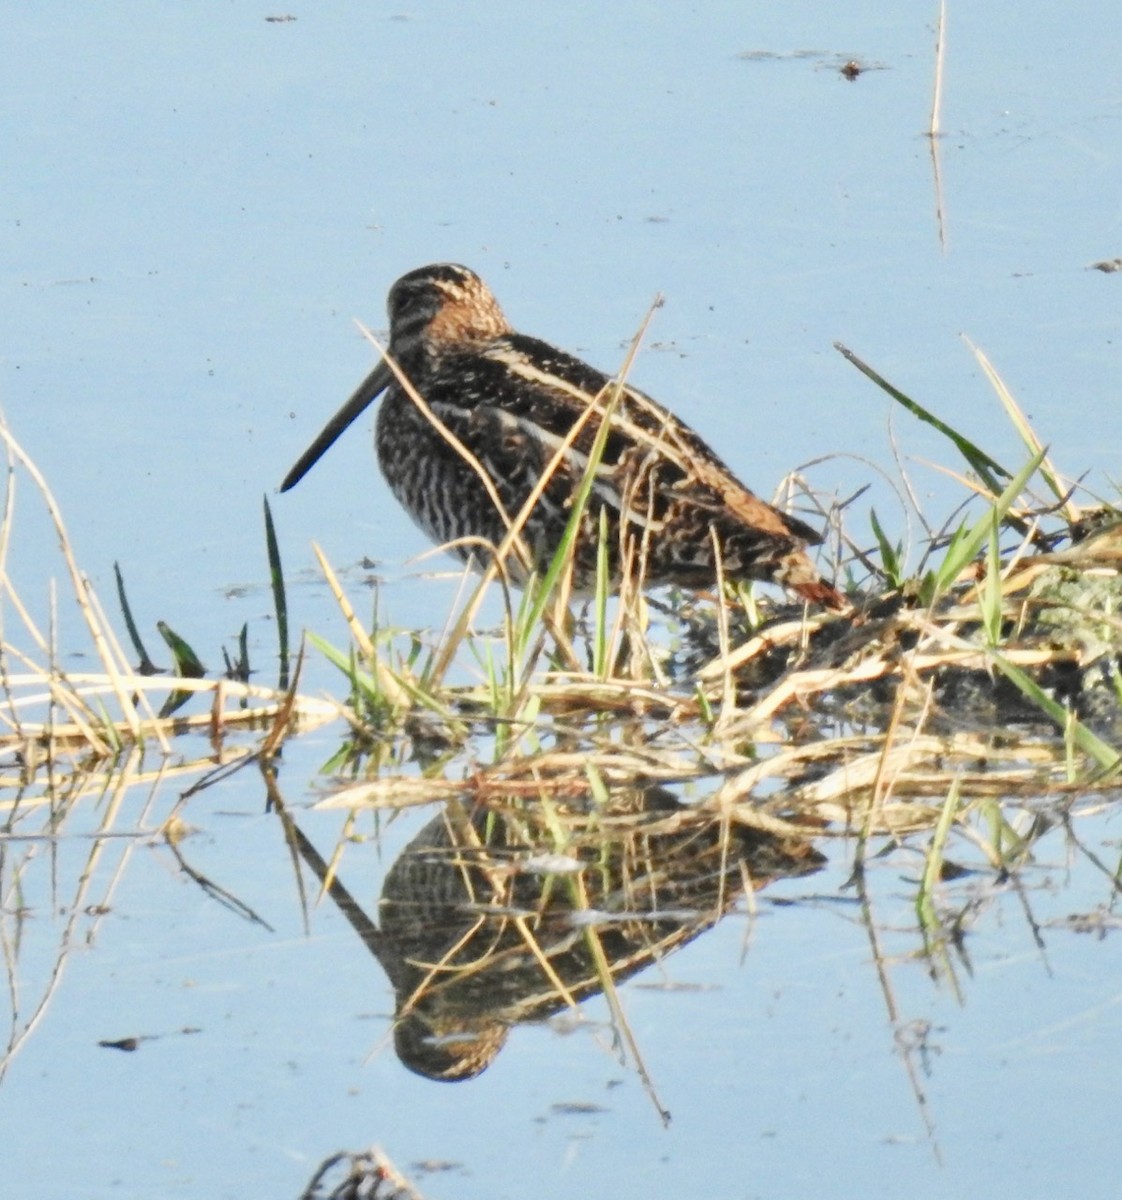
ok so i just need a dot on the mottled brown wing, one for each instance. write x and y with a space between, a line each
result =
554 389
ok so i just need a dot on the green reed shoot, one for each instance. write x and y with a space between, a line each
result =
967 540
280 602
891 555
988 469
1075 730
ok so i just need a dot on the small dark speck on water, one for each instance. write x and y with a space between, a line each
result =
130 1044
432 1166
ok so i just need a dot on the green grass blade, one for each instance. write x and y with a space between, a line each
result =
987 468
382 685
187 662
966 543
891 557
990 598
237 668
562 558
931 925
280 603
1103 754
146 665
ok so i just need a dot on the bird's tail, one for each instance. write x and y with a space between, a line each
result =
797 572
825 594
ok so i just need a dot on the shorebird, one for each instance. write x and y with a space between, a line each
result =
529 414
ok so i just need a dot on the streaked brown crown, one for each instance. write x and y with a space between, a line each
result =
440 305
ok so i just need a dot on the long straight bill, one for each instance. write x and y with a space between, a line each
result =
367 391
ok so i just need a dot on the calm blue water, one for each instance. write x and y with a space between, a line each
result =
199 202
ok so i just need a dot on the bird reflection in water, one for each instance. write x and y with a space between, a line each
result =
479 930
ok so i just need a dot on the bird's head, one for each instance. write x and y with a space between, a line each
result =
440 306
432 310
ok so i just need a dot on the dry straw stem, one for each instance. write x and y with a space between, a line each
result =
543 776
395 692
845 773
935 123
1027 434
47 709
896 769
85 907
785 634
934 127
228 710
108 653
560 694
801 685
91 781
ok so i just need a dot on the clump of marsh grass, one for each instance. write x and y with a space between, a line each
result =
59 725
988 674
964 722
86 753
967 712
